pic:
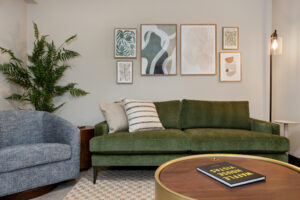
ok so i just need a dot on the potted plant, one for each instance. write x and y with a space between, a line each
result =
39 77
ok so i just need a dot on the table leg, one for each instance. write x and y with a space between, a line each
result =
285 130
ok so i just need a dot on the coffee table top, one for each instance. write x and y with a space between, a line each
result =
179 179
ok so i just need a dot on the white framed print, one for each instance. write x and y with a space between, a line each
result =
230 66
124 72
230 38
198 49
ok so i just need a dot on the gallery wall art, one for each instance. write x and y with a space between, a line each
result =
230 38
158 49
198 49
124 72
125 42
230 66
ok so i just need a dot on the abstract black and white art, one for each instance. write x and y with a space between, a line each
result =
158 49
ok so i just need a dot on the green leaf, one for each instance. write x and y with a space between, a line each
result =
36 31
15 97
76 92
70 39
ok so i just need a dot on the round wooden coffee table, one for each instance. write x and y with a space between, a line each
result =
179 180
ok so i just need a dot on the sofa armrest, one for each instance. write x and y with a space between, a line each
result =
264 126
101 129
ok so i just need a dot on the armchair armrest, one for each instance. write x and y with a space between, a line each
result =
58 130
101 128
264 126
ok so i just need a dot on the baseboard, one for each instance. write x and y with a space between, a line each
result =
294 160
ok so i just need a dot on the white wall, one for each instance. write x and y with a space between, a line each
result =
286 75
95 70
13 35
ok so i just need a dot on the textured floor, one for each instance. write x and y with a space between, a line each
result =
112 184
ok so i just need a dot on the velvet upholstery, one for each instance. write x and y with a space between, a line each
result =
38 168
154 159
101 129
265 127
215 114
169 113
150 142
208 140
202 127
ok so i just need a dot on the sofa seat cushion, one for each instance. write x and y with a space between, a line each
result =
24 156
208 140
151 142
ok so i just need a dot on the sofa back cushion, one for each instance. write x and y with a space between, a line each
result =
20 127
169 113
215 114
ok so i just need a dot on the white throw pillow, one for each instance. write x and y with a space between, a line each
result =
142 115
115 116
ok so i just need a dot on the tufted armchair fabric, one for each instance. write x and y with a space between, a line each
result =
36 149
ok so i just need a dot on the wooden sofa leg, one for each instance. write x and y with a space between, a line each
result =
95 170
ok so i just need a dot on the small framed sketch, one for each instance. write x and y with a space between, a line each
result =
158 49
198 49
125 42
230 66
124 72
230 38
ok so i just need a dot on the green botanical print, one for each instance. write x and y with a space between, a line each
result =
125 43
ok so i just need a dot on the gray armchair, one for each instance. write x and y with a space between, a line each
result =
36 149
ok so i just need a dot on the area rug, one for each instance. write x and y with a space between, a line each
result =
115 184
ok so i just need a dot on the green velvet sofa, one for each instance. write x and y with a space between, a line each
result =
191 127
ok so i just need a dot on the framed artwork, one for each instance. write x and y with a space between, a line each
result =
125 42
230 66
158 49
230 38
124 72
198 49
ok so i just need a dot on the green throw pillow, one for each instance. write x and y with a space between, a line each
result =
215 114
169 113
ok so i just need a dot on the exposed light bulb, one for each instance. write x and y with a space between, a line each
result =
274 44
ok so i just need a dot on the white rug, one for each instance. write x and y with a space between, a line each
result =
115 185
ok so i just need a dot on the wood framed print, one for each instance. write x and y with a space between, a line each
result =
125 42
124 72
230 66
230 38
158 49
198 49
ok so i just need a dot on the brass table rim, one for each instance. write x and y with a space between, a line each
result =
180 196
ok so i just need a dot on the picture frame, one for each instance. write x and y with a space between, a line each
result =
230 37
198 49
230 66
158 60
125 43
124 72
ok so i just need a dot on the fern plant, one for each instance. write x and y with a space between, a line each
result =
40 75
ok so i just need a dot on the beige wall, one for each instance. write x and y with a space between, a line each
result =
95 70
12 36
286 17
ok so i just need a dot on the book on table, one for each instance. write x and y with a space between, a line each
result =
230 175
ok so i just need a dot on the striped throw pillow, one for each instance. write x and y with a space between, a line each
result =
142 115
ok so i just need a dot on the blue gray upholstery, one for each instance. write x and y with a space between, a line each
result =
36 149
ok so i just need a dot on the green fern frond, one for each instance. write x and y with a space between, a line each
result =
36 31
46 65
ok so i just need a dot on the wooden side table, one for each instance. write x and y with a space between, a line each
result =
86 133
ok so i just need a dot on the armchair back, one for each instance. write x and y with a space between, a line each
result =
20 127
